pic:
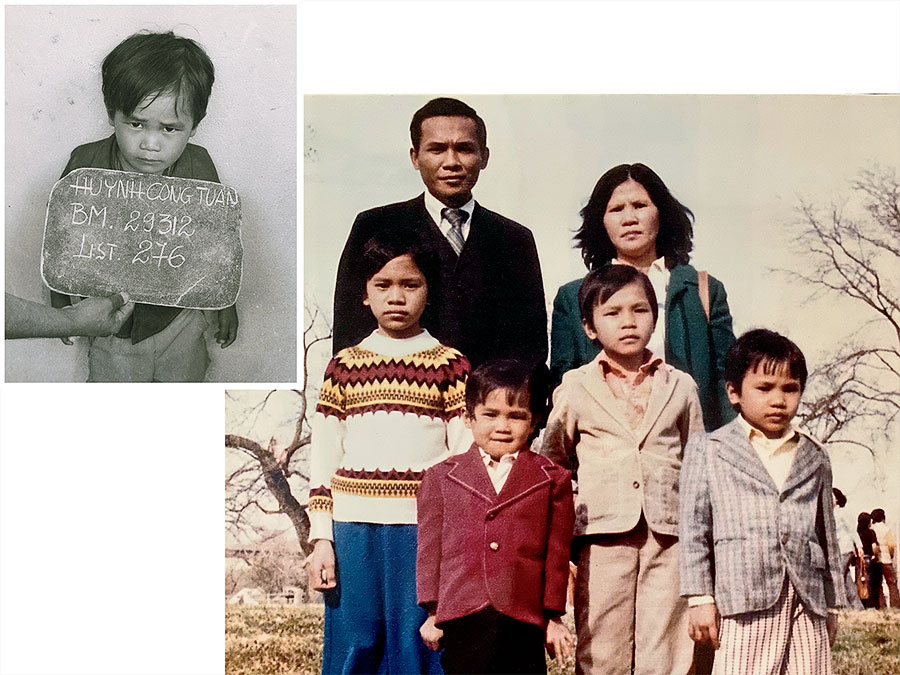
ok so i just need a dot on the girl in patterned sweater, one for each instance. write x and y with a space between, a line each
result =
389 408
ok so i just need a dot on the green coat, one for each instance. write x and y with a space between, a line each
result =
692 345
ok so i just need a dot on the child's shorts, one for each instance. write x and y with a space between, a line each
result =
176 354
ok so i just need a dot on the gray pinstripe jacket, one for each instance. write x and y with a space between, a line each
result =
739 535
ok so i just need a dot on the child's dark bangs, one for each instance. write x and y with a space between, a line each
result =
519 396
770 365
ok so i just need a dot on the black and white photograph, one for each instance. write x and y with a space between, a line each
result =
209 266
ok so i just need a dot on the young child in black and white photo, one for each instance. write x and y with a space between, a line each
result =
155 88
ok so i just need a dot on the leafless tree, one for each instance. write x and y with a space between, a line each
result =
856 256
269 479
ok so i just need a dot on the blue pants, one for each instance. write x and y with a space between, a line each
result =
371 619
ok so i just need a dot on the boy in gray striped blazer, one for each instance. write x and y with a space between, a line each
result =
759 559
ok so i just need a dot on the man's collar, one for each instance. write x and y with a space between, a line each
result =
434 206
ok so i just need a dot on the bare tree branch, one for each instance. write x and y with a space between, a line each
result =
858 386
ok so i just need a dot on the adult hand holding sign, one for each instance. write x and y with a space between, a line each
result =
91 317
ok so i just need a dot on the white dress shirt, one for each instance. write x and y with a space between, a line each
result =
434 207
498 469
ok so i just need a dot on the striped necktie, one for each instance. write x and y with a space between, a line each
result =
456 218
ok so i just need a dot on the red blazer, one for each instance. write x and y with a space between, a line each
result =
479 548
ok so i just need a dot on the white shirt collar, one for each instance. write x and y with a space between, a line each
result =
759 439
382 344
434 207
487 459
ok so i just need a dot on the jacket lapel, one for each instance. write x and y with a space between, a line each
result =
471 474
524 478
598 389
807 461
663 388
735 448
680 278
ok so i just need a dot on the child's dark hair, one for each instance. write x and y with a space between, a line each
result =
878 515
149 64
519 379
446 107
766 349
601 284
392 242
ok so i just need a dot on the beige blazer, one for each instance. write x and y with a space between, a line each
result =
622 473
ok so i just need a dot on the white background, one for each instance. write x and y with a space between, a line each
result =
111 496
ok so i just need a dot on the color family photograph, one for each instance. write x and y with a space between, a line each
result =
591 383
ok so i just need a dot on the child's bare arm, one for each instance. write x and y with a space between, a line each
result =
320 566
559 641
228 326
431 634
703 623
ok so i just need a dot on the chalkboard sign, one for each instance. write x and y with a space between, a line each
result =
166 241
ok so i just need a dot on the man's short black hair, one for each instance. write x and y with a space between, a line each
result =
767 349
522 382
150 64
601 284
877 515
446 107
392 242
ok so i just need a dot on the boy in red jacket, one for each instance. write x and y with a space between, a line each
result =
495 524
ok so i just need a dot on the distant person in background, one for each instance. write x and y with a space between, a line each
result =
632 218
492 303
871 553
845 545
90 317
888 547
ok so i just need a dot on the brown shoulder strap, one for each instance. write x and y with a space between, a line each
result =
703 284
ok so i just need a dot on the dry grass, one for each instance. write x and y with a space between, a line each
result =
288 640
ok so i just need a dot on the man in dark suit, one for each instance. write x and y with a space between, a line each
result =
490 303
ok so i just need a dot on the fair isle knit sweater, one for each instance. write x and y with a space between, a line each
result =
388 409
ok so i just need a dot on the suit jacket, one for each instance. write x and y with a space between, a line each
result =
692 345
509 550
622 473
490 303
740 535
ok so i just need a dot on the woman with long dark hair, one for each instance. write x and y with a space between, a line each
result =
632 218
